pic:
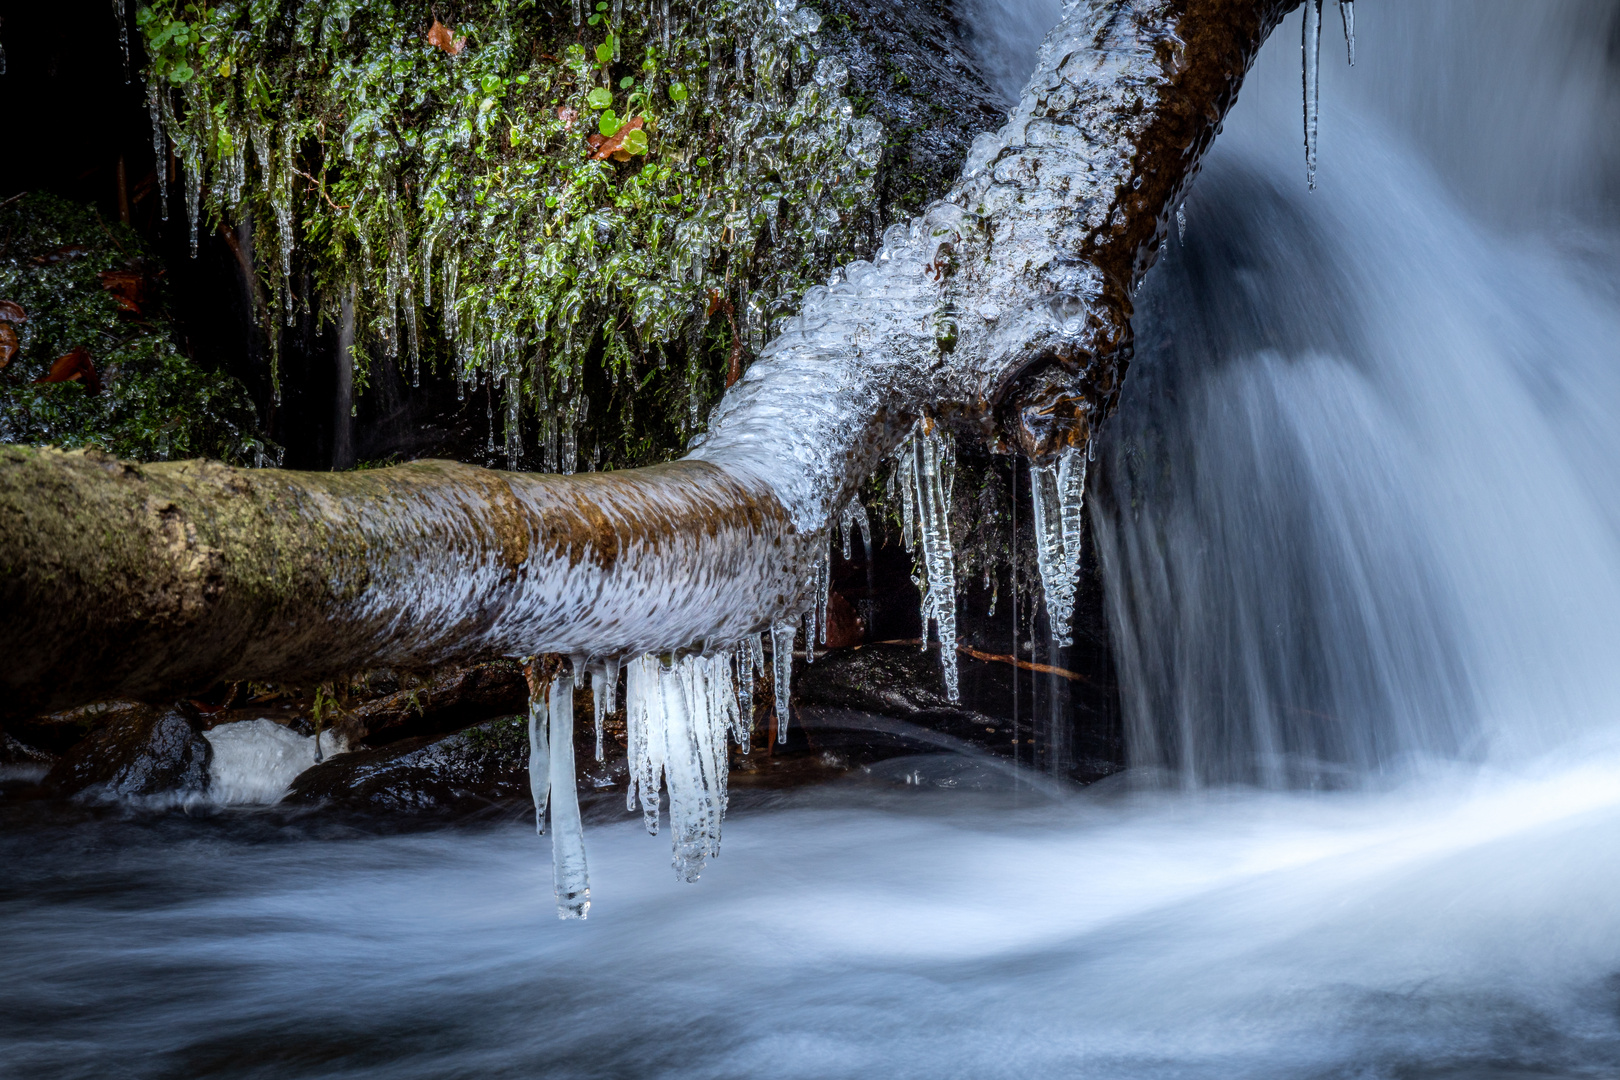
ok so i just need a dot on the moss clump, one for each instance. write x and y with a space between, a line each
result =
526 186
89 286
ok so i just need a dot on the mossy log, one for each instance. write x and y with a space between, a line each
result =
1004 310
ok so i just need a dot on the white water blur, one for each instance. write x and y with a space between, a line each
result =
1361 506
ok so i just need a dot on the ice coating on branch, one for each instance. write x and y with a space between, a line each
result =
1311 48
569 877
679 717
924 473
1058 494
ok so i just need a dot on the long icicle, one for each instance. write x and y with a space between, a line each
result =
539 745
569 876
782 659
1347 11
1310 47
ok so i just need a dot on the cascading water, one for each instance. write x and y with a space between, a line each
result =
1358 523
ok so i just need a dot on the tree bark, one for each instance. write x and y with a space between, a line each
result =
1004 311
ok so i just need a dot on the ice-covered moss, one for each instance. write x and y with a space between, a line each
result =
445 174
91 294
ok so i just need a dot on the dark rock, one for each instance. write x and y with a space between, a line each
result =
451 700
142 751
55 733
451 775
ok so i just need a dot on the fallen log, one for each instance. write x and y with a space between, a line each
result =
1003 311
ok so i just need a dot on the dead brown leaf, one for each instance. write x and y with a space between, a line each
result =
614 147
440 37
128 288
567 116
11 311
8 344
74 367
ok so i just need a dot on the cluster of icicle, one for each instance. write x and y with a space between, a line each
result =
1311 49
925 465
678 714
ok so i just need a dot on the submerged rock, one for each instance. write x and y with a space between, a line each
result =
142 751
457 774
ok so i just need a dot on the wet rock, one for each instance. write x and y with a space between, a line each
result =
453 775
142 751
451 700
55 733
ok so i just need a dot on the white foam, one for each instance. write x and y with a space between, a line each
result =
255 761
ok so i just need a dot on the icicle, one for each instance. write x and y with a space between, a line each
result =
123 36
745 691
539 752
934 508
577 12
1311 48
646 755
782 660
1347 9
823 587
160 146
569 876
514 432
1058 494
810 634
598 704
1181 223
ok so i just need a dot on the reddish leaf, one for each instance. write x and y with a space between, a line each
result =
594 141
11 311
8 344
440 37
128 288
74 367
567 116
615 146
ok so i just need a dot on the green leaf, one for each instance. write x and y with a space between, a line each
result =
181 73
608 125
677 91
626 83
491 83
600 98
636 141
703 162
594 19
604 51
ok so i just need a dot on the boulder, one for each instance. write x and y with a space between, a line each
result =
142 751
452 775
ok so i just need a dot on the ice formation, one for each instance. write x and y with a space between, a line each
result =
677 717
569 876
1057 492
926 463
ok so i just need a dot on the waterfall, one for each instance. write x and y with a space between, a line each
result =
1359 510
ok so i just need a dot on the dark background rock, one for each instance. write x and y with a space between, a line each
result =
451 775
447 702
142 751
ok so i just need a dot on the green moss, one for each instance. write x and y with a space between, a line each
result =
456 196
153 403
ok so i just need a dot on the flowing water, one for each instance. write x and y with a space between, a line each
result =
1359 521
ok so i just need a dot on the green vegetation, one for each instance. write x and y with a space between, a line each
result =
526 190
83 304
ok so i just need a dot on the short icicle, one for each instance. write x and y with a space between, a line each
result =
571 881
1347 10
